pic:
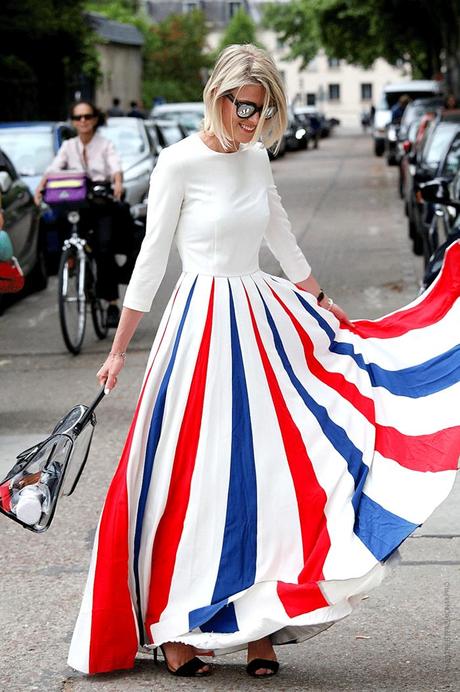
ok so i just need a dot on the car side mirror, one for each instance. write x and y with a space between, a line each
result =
5 181
436 191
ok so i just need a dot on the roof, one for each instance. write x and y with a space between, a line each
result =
115 32
427 85
178 107
34 125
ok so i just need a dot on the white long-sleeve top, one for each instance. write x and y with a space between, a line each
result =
218 207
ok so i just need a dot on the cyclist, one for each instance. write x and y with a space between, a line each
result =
96 156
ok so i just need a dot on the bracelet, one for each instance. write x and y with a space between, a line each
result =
122 354
330 303
320 295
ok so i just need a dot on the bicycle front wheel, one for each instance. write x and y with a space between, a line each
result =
72 299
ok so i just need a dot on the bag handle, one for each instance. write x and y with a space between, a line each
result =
86 417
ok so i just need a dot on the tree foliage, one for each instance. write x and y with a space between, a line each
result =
240 29
174 61
46 51
422 32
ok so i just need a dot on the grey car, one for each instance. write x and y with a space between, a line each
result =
136 151
22 218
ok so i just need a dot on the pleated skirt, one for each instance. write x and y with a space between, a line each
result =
275 462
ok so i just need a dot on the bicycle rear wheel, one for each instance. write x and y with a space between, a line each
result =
98 310
72 299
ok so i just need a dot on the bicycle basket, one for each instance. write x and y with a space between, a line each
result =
30 490
66 188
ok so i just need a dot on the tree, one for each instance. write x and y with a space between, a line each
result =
296 24
424 33
46 52
174 58
173 54
240 29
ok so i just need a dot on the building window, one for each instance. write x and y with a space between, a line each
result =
311 99
233 8
190 6
366 92
334 92
334 63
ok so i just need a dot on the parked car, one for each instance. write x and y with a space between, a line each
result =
165 132
398 133
439 217
320 126
136 151
22 217
391 93
429 164
297 132
407 153
444 194
31 146
190 114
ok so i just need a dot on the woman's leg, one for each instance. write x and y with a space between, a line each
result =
177 654
262 648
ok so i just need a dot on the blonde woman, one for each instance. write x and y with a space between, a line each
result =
238 516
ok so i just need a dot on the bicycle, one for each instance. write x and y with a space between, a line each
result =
77 289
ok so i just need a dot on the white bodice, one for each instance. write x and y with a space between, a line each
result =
218 208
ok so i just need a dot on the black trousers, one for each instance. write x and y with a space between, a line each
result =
99 217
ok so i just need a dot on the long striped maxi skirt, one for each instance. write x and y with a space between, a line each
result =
275 461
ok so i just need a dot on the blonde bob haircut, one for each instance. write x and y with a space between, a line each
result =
237 66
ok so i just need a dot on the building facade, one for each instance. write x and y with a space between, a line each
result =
120 61
341 90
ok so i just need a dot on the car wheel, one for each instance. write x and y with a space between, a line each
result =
38 277
379 147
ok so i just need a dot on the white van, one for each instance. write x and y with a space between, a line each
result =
415 89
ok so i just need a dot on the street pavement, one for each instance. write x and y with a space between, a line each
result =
343 204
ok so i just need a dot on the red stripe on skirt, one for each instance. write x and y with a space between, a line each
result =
435 305
170 526
114 637
438 451
311 499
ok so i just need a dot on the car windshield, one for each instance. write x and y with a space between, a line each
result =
128 141
31 152
390 98
171 133
191 120
436 145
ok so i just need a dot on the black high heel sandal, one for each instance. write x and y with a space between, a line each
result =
258 663
190 669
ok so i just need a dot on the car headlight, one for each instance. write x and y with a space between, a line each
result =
300 133
392 135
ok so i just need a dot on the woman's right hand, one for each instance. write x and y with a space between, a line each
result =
109 371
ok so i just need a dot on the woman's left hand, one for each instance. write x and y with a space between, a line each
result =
340 314
117 189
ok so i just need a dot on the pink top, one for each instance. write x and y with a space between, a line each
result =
101 157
